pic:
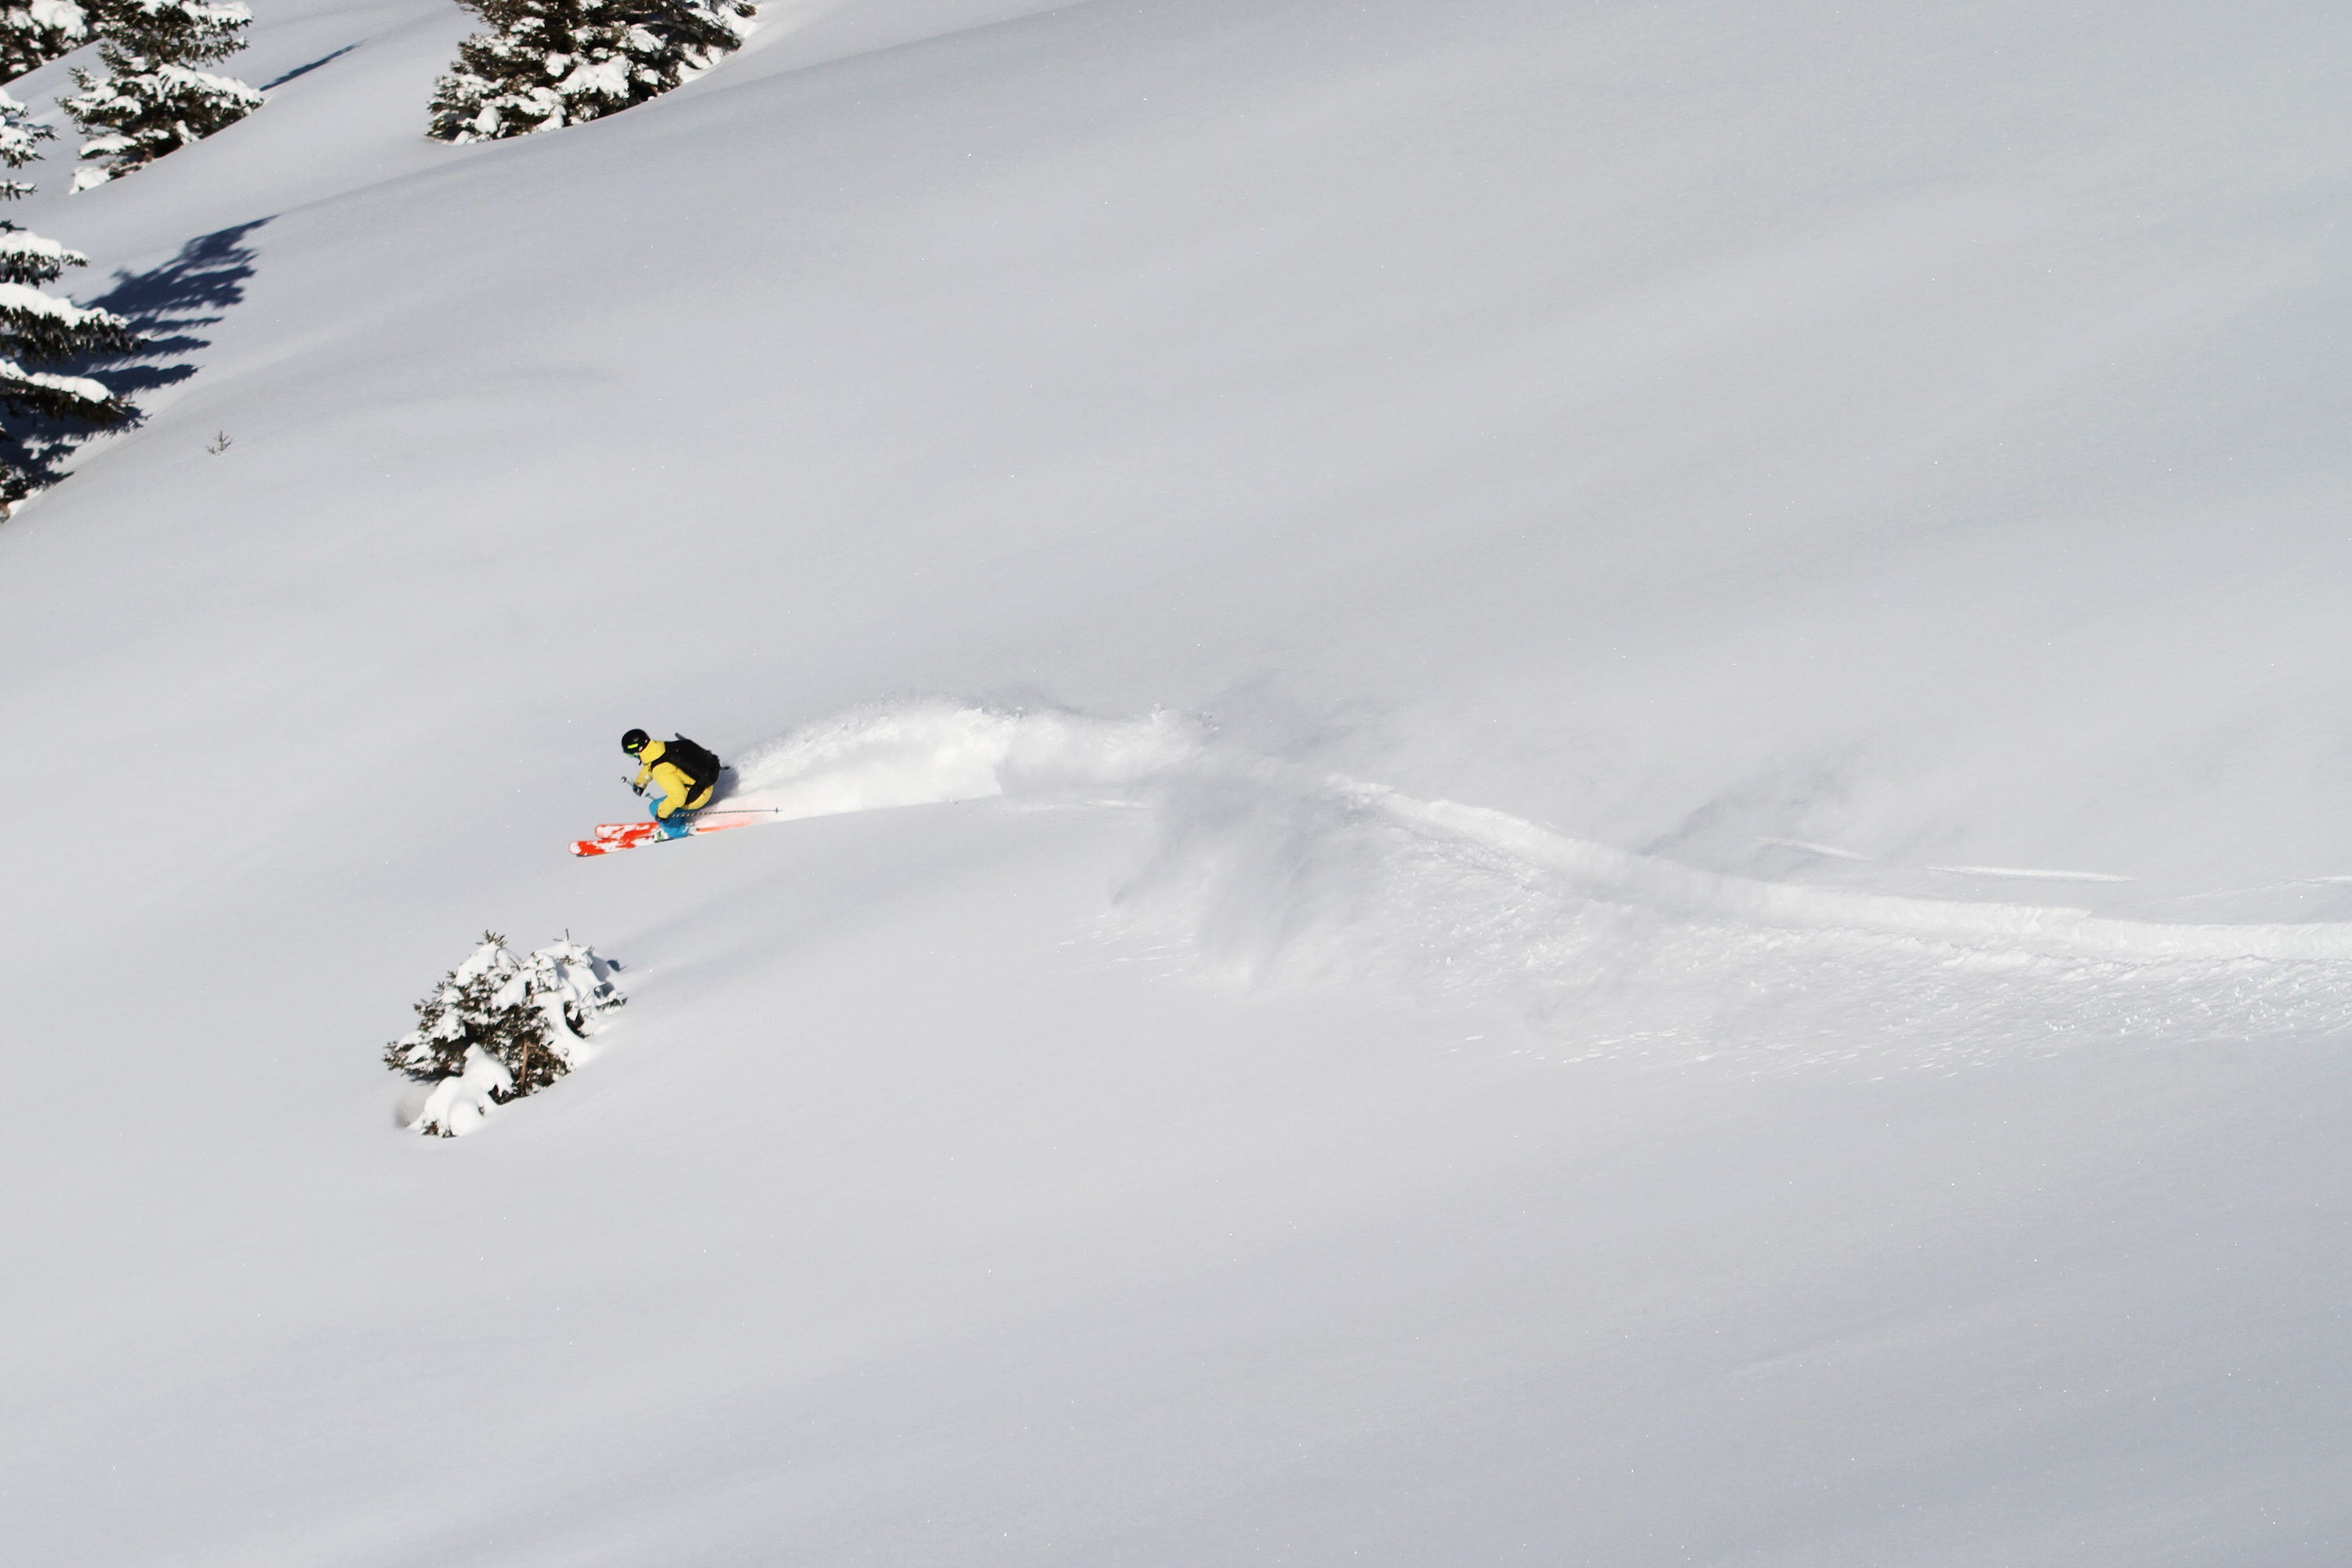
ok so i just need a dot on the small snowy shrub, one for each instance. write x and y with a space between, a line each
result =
544 64
35 34
39 328
151 101
499 1027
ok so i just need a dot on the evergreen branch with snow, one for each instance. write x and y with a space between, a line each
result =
151 100
38 329
34 34
545 64
26 256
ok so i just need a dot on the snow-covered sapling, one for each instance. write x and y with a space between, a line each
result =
544 64
150 99
40 328
570 983
37 32
499 1027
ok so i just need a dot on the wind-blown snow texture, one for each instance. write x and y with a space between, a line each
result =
1631 850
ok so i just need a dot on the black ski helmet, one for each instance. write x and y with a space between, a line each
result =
634 741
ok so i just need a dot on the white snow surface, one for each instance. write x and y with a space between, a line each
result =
1555 782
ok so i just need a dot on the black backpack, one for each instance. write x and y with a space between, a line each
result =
698 763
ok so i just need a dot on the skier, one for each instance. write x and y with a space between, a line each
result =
684 777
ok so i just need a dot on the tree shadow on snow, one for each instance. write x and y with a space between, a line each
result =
192 289
306 71
195 289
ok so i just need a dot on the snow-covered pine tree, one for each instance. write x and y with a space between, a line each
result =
38 328
549 63
151 100
35 32
493 1029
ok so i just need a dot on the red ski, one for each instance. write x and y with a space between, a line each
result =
612 836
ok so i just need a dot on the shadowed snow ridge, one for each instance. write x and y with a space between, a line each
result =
1283 873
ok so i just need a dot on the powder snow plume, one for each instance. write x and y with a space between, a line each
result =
930 753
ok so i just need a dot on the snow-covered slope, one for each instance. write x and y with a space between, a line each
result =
1563 786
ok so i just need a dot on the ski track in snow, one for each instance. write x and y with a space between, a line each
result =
1283 875
2025 874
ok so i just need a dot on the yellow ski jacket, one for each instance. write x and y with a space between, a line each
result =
672 784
